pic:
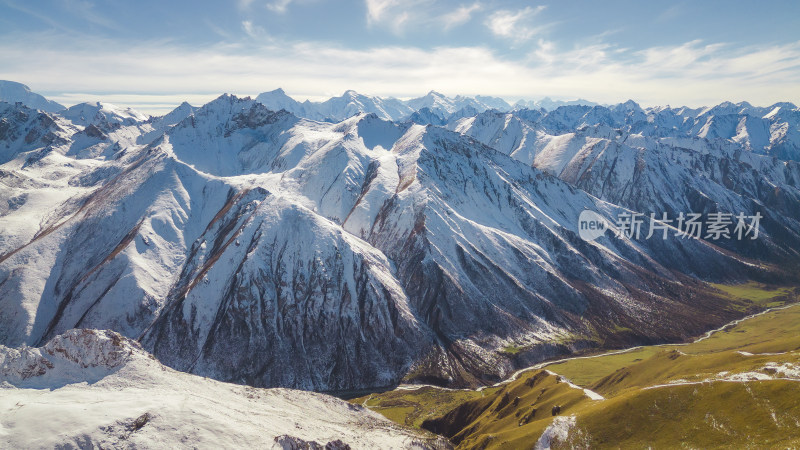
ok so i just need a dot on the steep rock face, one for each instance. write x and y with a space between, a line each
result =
253 246
23 129
317 305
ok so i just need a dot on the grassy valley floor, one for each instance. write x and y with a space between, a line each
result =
735 387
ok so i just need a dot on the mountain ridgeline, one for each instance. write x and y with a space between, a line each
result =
364 242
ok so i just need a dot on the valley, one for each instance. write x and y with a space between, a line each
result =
734 386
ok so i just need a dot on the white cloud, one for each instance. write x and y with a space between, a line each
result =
279 6
79 9
396 14
696 74
514 25
399 15
377 9
460 16
255 32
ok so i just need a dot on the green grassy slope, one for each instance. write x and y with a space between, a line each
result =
704 394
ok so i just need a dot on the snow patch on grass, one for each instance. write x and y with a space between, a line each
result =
556 431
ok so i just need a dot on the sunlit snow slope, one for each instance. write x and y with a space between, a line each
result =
97 389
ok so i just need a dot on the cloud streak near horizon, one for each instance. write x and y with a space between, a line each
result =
518 58
694 73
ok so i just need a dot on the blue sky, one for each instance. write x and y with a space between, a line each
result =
152 55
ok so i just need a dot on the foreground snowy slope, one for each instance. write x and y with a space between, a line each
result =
97 389
253 246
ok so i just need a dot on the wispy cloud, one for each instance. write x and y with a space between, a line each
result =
378 9
396 15
255 32
672 12
37 15
146 103
460 16
87 11
81 9
514 25
279 6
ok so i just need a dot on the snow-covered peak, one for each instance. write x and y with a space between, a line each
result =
104 114
493 102
427 116
730 108
183 111
549 104
12 92
277 100
629 105
351 102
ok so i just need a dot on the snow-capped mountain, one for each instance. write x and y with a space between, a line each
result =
427 116
254 246
350 103
13 92
336 109
774 130
549 104
84 114
98 389
23 129
445 106
649 173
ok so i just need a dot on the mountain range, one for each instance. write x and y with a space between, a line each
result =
334 246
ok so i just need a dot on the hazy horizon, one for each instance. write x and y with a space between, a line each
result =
153 56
